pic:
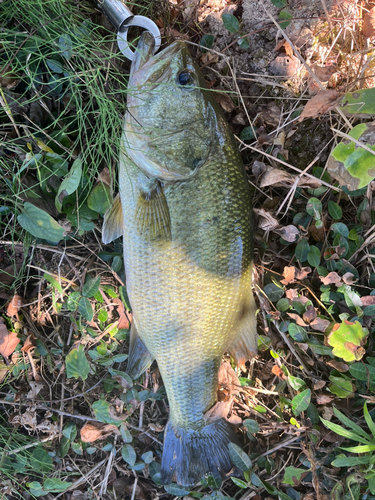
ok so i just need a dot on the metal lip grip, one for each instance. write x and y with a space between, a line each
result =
122 18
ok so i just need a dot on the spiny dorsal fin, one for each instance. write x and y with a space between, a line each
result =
113 225
152 214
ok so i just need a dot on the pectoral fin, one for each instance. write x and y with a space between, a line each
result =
152 214
113 225
244 346
139 357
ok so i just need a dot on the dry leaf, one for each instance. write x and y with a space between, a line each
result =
209 58
310 314
276 370
368 300
303 272
123 322
297 319
288 233
324 101
320 324
29 343
283 44
265 220
324 73
156 427
338 365
349 278
331 278
91 432
323 399
14 306
319 385
291 294
8 340
369 24
225 102
280 178
289 274
105 176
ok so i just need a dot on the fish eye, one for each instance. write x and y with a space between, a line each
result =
185 78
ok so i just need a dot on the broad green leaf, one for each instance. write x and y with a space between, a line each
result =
341 387
334 210
298 333
302 250
350 164
41 460
77 364
70 431
128 454
53 282
350 461
313 257
360 102
284 18
251 425
247 134
65 45
72 301
283 305
54 485
231 23
55 66
340 228
239 483
273 292
279 3
36 489
347 340
296 383
147 457
125 434
85 308
69 184
206 42
349 423
243 43
64 447
362 371
301 402
91 286
103 412
175 490
124 297
314 208
99 198
40 224
239 458
293 475
344 432
366 448
370 423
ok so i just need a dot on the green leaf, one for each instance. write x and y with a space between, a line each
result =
273 292
40 224
359 102
85 308
65 45
175 490
243 43
279 3
53 282
41 460
362 371
298 333
341 387
369 311
314 208
54 485
293 475
231 23
128 454
370 423
340 228
247 134
77 364
147 457
99 198
344 432
125 298
347 340
296 383
283 305
313 257
251 425
72 301
125 434
91 286
55 66
36 489
70 431
64 447
301 402
102 411
349 423
334 210
206 42
284 16
350 461
302 250
239 483
366 448
239 458
69 184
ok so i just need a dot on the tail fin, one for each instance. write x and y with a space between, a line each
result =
189 455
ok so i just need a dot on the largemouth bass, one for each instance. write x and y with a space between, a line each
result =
185 216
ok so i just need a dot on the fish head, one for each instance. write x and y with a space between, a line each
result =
171 122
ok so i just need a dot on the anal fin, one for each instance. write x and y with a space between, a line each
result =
113 225
139 357
152 214
244 346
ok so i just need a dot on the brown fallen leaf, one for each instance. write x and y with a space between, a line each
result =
8 340
265 220
331 278
123 322
288 233
276 370
324 400
280 178
324 73
297 319
368 27
303 272
283 44
291 294
349 278
319 385
321 103
338 365
320 324
224 101
368 300
91 431
14 306
29 343
310 314
289 275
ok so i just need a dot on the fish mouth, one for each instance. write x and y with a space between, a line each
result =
145 48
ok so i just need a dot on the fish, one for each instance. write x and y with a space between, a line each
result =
184 211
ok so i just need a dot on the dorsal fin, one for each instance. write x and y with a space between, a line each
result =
113 225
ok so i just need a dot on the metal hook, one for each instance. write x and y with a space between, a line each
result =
122 18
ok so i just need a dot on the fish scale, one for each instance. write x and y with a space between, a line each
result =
188 254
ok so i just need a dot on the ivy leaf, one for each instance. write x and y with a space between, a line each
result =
69 184
334 210
314 208
99 198
128 454
347 340
293 475
77 364
206 42
40 224
103 412
231 23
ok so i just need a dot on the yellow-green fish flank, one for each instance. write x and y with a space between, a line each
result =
187 228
